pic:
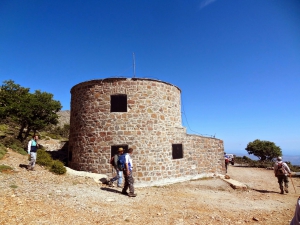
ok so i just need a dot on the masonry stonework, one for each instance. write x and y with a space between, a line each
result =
150 126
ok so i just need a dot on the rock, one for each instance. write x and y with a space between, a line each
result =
255 219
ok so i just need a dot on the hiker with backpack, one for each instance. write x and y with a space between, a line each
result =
281 171
126 162
114 162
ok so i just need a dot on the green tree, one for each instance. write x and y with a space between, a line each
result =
31 111
264 150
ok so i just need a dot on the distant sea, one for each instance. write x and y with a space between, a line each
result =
294 159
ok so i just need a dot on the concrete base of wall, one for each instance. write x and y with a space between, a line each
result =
98 178
168 181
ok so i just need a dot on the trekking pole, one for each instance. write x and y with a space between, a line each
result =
292 182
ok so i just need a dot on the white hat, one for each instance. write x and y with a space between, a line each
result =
279 158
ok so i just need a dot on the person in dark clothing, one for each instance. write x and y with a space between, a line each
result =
128 175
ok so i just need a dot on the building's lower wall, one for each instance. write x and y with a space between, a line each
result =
152 159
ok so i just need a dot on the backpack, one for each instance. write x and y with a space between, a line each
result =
280 170
121 162
112 161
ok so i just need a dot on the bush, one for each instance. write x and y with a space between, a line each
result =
2 151
55 166
5 168
261 164
58 167
18 149
43 158
14 144
293 168
3 128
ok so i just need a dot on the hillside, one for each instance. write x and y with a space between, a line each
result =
64 117
40 197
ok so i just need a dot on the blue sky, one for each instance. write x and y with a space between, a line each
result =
236 62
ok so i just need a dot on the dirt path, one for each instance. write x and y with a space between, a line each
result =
40 197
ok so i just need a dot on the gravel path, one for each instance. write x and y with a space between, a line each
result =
40 197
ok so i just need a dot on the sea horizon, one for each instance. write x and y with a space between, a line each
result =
293 159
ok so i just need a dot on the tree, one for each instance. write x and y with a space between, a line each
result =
31 111
264 150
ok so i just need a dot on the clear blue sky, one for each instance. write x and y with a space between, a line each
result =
237 62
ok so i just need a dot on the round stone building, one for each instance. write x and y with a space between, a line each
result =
143 114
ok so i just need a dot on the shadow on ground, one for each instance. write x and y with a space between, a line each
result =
110 190
264 191
23 166
60 154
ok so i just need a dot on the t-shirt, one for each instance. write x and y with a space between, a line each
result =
128 160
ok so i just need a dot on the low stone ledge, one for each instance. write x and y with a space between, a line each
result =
95 176
233 183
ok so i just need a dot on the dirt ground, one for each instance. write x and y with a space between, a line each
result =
40 197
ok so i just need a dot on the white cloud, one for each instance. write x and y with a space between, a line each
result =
205 3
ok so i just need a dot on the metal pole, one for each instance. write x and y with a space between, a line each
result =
292 182
133 56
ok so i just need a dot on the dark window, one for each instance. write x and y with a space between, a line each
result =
114 149
118 103
177 152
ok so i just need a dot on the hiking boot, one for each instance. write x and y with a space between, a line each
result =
286 190
282 192
110 184
132 195
119 186
124 193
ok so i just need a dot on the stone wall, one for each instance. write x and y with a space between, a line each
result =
150 126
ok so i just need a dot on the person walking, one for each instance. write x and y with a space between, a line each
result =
226 161
281 170
32 149
128 175
119 172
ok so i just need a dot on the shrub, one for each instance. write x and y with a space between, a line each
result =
261 164
293 168
14 144
55 166
54 136
4 168
18 149
2 151
43 158
242 160
58 167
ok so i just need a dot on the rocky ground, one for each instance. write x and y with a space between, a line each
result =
40 197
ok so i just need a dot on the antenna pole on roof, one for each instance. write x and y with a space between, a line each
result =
133 56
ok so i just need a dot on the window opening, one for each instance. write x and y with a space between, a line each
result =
177 152
118 103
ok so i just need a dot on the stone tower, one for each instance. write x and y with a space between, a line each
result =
144 114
